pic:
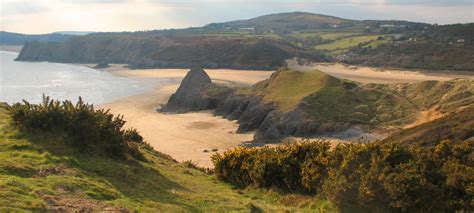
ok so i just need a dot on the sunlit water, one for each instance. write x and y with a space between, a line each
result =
29 80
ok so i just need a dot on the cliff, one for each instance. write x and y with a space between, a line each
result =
141 51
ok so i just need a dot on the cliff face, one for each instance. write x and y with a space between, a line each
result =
191 94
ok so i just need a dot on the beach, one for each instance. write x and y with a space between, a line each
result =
191 136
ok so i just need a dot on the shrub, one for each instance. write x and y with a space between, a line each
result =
374 176
87 129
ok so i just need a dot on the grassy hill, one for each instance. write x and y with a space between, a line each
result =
322 95
284 23
40 172
311 103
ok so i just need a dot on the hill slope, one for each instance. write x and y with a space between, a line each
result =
456 127
284 22
38 172
165 51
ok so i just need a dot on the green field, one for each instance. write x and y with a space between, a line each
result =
346 43
326 35
38 172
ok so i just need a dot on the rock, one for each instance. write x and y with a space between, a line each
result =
191 94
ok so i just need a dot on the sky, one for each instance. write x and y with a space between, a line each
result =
44 16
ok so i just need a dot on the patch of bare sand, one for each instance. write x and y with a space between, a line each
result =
182 136
377 75
424 117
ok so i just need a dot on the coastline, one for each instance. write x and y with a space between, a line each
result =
193 136
190 136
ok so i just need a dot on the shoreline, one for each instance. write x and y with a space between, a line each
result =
189 136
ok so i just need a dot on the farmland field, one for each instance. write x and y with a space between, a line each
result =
347 42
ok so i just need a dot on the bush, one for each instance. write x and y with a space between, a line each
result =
375 176
87 129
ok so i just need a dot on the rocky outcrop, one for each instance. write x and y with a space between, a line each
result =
332 108
192 94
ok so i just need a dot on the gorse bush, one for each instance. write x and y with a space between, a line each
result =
375 176
92 131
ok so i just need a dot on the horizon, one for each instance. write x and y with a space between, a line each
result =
116 15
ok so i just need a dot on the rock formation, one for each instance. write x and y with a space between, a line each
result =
191 94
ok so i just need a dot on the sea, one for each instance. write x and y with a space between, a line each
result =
30 80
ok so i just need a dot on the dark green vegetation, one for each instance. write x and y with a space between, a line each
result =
19 39
374 177
87 129
448 47
294 103
456 127
43 169
266 42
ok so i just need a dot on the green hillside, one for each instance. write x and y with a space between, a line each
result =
40 172
312 103
326 98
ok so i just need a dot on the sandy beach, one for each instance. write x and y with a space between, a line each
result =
190 136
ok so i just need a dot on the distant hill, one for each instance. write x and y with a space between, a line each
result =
265 42
284 22
8 38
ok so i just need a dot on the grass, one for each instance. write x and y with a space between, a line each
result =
346 43
287 88
38 172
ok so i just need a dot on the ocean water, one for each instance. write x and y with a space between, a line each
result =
30 80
